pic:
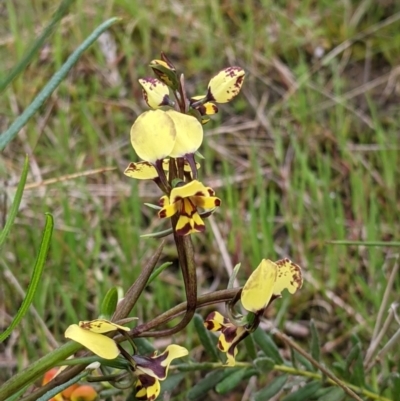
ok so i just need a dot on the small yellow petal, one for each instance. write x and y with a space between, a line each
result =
169 210
226 84
259 287
215 321
155 92
100 345
189 134
101 326
206 202
193 188
141 171
289 277
153 135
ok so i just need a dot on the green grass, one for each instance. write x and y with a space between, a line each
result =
308 153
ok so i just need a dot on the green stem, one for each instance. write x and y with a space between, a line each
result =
133 294
284 369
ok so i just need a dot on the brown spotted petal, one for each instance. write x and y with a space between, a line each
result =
157 366
155 92
185 199
225 85
141 171
147 388
230 336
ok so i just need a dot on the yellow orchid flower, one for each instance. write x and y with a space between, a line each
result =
264 285
155 92
225 85
90 335
151 370
230 335
269 280
184 200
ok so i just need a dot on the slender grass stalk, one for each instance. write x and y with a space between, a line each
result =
54 82
37 44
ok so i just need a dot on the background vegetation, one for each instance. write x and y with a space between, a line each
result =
307 154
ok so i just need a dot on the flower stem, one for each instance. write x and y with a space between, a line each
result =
184 247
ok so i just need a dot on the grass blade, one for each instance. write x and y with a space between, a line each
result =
55 80
15 205
36 276
37 44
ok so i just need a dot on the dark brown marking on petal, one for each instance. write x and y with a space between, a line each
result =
217 202
199 227
162 214
209 325
232 71
230 333
211 316
184 230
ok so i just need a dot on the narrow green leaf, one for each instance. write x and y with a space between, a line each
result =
267 345
52 84
36 45
250 347
232 278
230 382
56 390
158 271
207 339
158 234
355 366
365 243
109 303
315 345
395 379
264 364
36 276
171 383
332 394
16 202
271 389
144 346
299 359
304 393
201 388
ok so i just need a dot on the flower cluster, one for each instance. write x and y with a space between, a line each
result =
167 138
149 370
264 285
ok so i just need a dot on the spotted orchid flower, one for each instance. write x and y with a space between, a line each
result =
150 370
222 88
185 199
264 285
91 335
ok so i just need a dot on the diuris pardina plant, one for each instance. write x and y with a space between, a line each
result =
166 139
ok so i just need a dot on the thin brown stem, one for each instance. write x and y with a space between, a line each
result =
134 292
323 369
